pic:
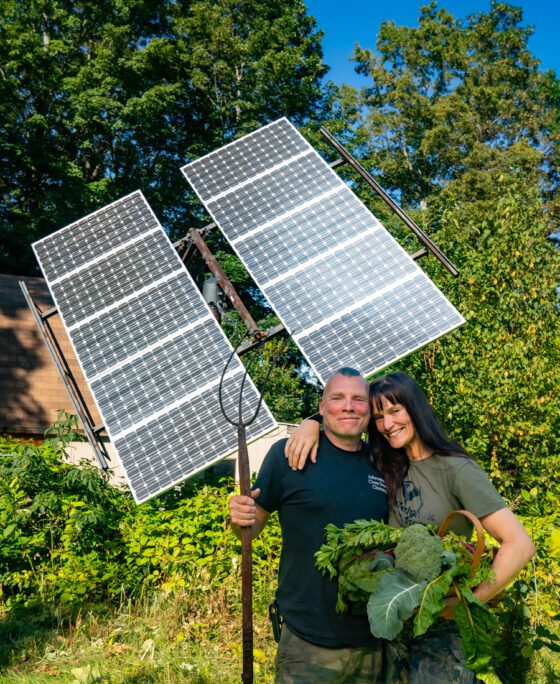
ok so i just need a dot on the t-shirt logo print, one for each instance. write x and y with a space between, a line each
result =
377 483
411 505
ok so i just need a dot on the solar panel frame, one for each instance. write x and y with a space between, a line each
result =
311 195
137 382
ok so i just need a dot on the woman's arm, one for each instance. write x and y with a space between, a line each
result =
303 443
516 549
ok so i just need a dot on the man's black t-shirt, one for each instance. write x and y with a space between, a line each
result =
341 487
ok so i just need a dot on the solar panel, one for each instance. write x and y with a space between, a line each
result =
339 282
150 348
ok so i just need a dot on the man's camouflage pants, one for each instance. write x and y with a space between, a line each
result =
299 662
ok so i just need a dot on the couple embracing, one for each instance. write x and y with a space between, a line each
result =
409 472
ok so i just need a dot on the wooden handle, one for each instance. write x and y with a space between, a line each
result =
479 550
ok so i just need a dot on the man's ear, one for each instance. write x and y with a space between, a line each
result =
321 407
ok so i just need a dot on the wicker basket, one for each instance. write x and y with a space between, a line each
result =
447 613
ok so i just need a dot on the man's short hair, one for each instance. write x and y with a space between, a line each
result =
348 372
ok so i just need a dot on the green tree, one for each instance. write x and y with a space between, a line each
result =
459 121
100 98
495 381
457 102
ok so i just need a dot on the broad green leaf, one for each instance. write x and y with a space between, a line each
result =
542 631
365 573
479 635
9 529
488 678
432 602
392 603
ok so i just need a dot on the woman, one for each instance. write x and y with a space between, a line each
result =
428 475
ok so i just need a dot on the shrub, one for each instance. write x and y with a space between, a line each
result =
69 536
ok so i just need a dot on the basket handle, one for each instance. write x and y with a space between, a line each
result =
479 550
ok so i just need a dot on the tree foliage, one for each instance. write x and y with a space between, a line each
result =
456 102
459 121
496 380
100 98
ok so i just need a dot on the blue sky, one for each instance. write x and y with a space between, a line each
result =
347 22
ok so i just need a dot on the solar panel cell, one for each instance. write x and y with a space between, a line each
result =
311 232
245 158
66 250
84 292
263 200
389 337
121 333
178 432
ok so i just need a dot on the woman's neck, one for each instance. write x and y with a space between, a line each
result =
418 451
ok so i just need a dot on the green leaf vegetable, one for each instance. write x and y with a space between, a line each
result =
393 602
412 587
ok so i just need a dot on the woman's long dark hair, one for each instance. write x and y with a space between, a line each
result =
400 388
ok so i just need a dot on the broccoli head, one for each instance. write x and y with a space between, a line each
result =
419 553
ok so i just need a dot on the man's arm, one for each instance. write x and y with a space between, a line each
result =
244 512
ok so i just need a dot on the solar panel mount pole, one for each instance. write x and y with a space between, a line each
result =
428 244
69 381
223 281
194 237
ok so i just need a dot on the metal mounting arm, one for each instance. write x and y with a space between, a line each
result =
49 338
428 244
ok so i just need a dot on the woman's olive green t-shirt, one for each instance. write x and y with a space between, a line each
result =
437 485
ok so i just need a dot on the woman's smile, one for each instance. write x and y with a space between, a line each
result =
395 424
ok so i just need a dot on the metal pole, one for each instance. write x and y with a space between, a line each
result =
67 377
223 281
391 203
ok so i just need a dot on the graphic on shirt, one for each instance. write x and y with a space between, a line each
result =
377 483
410 504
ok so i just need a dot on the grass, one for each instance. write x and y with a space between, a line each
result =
156 639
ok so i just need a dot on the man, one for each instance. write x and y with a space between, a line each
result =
317 644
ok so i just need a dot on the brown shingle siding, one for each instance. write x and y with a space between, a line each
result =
31 391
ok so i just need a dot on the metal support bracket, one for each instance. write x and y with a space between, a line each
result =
257 335
223 281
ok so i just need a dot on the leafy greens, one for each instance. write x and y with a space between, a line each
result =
398 576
